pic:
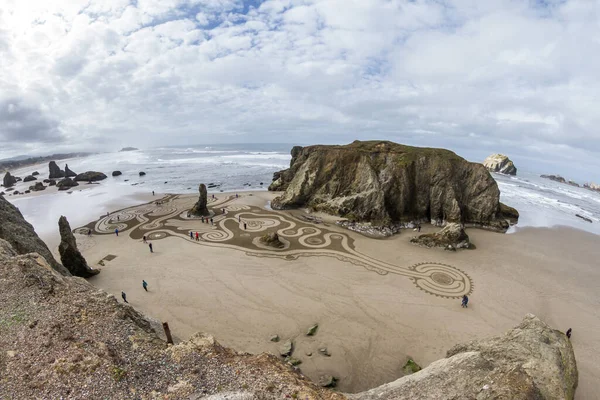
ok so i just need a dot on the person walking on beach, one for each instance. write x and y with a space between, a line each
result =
211 221
117 231
419 227
144 238
244 226
153 193
150 246
465 301
191 235
569 333
124 296
202 219
197 237
89 232
145 285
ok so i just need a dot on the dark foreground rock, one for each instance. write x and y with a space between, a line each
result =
21 235
272 240
199 208
9 180
531 361
117 173
142 173
90 176
387 183
70 256
452 237
501 164
66 184
55 171
35 173
68 172
37 187
29 178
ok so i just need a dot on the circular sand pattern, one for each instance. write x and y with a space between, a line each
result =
81 231
157 235
442 280
314 240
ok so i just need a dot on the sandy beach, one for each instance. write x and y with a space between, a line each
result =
377 302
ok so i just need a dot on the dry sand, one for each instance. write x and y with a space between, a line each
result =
369 322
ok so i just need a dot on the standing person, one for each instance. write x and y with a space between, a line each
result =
144 238
197 237
211 221
223 211
117 218
124 296
419 227
145 285
236 195
150 246
239 218
569 333
244 226
202 219
153 193
465 301
89 232
191 235
117 231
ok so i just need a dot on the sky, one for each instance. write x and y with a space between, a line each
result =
520 77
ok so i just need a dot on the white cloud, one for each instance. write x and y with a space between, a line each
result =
478 76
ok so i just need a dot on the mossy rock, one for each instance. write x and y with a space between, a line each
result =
411 367
312 330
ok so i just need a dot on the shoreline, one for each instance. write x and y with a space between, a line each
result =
362 315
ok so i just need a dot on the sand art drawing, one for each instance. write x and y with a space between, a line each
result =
242 226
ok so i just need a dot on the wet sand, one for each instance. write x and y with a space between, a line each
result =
369 322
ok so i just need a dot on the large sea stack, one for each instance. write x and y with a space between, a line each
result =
385 183
55 171
21 235
68 172
69 253
9 180
501 164
200 206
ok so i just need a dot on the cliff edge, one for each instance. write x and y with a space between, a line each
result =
384 183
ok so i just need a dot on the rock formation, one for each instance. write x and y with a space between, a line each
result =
35 173
37 187
555 178
55 171
65 184
532 361
199 208
501 164
69 254
21 235
451 237
68 172
272 239
129 149
142 173
116 173
90 176
385 183
51 182
29 178
9 180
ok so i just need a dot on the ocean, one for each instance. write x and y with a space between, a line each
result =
230 168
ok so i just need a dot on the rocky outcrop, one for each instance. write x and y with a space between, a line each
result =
532 361
55 171
199 208
272 240
68 172
21 235
66 184
117 173
8 180
51 182
129 149
451 237
387 183
37 187
35 173
90 176
555 178
70 256
29 178
142 173
501 164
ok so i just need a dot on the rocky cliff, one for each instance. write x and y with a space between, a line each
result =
501 164
21 235
54 171
70 256
532 361
385 183
199 208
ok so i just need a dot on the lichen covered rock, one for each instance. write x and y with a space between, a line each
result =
69 253
501 164
272 240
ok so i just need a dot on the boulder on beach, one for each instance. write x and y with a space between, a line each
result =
35 173
51 182
90 176
29 178
555 178
385 184
55 171
272 240
199 208
117 173
501 164
451 236
37 187
327 381
68 172
66 184
8 180
142 173
69 253
287 348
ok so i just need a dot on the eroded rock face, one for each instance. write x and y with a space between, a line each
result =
8 180
21 235
200 206
386 183
55 171
68 172
90 176
452 236
501 164
532 361
69 254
